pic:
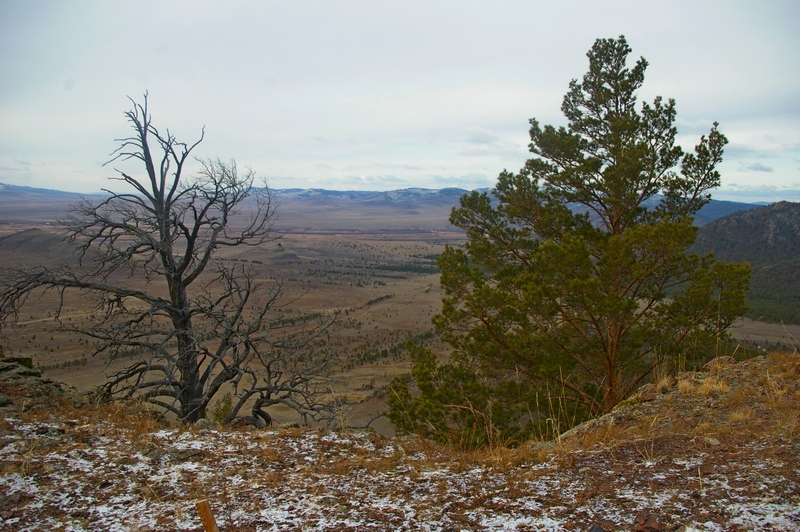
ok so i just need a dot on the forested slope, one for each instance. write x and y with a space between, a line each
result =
769 239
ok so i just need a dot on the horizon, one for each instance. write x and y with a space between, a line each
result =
407 189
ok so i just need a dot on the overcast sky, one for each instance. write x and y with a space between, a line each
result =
376 95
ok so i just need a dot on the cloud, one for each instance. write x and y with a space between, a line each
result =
755 167
368 166
359 182
366 181
396 166
479 135
507 153
386 89
740 151
751 194
469 181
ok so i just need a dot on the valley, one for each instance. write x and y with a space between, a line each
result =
371 255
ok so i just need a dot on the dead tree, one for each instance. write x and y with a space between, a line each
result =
148 261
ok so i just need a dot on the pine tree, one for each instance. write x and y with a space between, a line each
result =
575 272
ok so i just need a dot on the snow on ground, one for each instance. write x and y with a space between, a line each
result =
70 476
706 451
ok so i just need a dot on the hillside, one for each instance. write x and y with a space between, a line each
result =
769 239
712 451
715 209
33 205
407 210
35 247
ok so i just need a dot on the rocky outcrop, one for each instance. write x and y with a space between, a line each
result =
22 386
18 368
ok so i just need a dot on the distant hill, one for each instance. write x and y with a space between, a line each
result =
766 236
33 205
769 239
717 209
411 209
35 246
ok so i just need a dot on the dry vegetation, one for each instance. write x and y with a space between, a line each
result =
720 452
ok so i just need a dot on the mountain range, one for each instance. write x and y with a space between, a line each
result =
411 209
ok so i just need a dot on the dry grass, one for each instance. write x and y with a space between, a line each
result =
385 325
711 385
730 404
132 420
665 383
415 298
743 413
603 435
686 386
704 387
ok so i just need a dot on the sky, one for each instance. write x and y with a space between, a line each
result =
375 95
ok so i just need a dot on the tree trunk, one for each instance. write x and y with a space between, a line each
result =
190 395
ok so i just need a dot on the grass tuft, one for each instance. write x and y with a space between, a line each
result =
743 413
665 384
686 386
712 385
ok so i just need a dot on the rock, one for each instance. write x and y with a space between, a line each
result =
5 400
14 501
153 452
644 394
719 363
645 522
12 498
185 454
204 423
45 430
249 422
22 361
13 369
